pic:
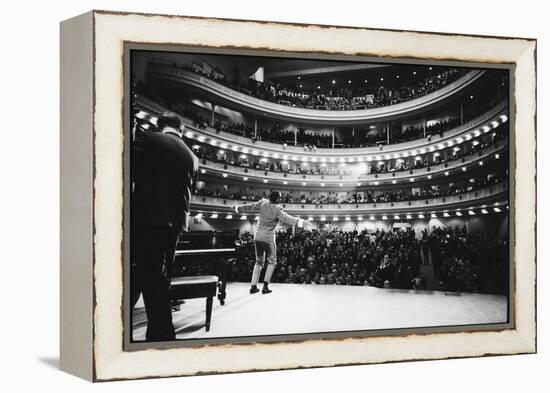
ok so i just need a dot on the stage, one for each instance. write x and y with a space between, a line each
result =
300 308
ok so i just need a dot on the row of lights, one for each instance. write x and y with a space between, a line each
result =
375 183
412 153
408 216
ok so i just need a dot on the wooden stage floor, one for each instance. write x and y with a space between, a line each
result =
298 308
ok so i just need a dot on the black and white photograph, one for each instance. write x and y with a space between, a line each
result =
291 196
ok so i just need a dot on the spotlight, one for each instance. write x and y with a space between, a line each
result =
214 215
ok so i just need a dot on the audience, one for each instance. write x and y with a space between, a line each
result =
466 263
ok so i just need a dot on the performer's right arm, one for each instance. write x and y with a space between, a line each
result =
249 208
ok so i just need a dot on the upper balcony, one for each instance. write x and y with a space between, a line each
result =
231 98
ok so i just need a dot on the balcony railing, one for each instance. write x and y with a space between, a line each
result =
487 195
261 175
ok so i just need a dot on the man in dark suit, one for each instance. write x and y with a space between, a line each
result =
164 173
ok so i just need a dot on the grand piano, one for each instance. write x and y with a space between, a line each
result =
201 267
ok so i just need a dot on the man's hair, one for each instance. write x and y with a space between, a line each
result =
274 196
168 119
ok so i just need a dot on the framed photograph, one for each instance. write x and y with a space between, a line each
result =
242 195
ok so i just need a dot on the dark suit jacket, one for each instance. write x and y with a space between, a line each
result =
164 174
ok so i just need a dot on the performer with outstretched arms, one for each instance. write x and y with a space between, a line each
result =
264 239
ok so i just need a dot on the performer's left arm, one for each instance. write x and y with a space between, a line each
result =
287 219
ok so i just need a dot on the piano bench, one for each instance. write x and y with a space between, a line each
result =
194 287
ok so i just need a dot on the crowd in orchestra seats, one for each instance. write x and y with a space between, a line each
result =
356 197
386 259
236 159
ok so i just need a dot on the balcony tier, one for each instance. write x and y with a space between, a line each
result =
481 124
231 98
495 195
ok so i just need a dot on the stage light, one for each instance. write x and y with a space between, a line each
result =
285 182
481 163
323 218
195 147
358 184
333 81
411 179
397 76
396 217
223 145
340 184
459 214
310 218
421 216
229 216
214 215
257 218
221 152
322 184
471 213
486 129
381 79
245 178
335 218
497 210
463 169
414 72
318 87
371 218
265 180
477 133
255 152
376 183
497 156
224 174
349 81
503 118
201 138
203 171
384 217
447 173
433 215
394 181
189 134
243 156
304 183
243 217
429 176
199 215
348 219
484 211
446 215
409 217
359 218
213 142
494 124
